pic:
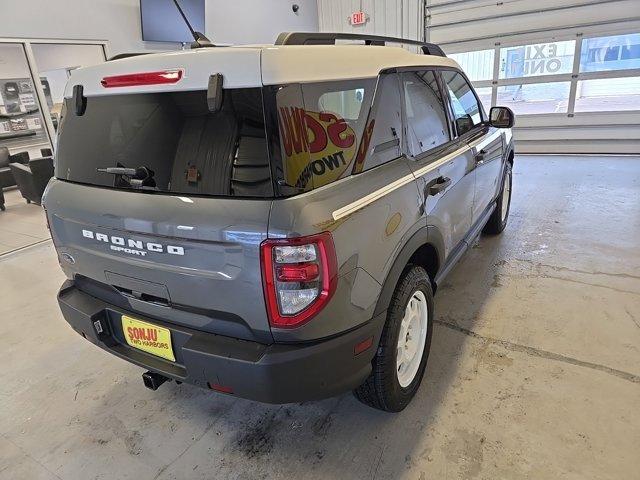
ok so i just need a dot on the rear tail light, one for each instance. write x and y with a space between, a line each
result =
299 276
147 78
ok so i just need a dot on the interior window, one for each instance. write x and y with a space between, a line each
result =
381 139
426 117
464 103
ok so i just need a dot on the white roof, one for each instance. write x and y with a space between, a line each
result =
254 66
314 63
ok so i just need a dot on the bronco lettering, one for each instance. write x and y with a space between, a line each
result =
135 247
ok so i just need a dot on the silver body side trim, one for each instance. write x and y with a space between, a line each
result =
381 192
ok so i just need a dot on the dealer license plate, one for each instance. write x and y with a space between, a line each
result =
148 337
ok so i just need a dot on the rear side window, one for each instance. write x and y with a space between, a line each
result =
427 126
346 103
381 139
315 130
464 104
188 149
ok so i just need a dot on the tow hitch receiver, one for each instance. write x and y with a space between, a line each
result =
153 380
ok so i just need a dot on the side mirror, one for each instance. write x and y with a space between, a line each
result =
501 117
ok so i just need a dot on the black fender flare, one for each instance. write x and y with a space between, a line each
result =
425 235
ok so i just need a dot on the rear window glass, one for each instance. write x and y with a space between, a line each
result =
346 103
317 128
184 148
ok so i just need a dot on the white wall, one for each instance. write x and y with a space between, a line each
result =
258 21
115 20
56 56
118 21
13 62
394 18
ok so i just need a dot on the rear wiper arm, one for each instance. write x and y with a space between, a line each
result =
118 171
141 177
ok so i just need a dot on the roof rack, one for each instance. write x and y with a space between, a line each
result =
322 38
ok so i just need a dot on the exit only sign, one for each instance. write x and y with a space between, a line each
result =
358 18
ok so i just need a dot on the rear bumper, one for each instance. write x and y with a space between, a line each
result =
276 373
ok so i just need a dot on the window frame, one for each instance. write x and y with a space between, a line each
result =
268 149
483 114
455 139
269 92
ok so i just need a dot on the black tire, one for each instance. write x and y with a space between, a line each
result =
3 208
496 223
382 389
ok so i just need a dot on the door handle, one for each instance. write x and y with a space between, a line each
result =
440 184
480 156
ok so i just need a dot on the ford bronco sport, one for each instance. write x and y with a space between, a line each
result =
272 222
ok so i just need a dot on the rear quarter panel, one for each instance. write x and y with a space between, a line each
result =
367 240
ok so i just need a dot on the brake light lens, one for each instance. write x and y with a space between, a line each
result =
146 78
304 272
299 277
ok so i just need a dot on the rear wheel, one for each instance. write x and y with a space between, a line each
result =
498 219
401 358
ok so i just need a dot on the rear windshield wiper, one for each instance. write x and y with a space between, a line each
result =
140 177
118 171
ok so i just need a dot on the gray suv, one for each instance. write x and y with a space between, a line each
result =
272 222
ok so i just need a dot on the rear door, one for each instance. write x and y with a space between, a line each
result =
443 165
179 239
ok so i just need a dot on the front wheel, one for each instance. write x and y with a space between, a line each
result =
401 358
498 219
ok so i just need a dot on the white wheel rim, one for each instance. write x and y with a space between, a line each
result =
506 195
412 337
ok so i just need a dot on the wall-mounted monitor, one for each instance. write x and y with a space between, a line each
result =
162 22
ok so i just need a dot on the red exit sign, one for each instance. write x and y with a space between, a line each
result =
358 18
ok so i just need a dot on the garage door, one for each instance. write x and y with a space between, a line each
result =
573 95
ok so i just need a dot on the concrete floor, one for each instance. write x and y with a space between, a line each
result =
21 224
534 369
